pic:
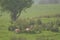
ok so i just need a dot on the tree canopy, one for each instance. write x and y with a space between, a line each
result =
15 7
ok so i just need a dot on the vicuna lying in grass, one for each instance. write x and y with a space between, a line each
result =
17 30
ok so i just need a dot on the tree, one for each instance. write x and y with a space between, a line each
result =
15 7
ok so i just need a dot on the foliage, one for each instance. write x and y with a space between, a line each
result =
54 29
15 7
58 22
36 26
39 22
32 22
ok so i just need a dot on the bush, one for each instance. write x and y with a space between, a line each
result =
47 26
39 22
54 29
12 28
36 29
36 26
22 24
32 22
58 22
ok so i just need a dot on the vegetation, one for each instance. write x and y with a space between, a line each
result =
43 28
15 7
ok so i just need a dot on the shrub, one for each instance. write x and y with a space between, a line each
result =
12 28
32 22
49 25
22 24
39 22
54 29
43 26
36 29
35 26
58 22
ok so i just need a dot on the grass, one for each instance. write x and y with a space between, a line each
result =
41 10
34 11
44 34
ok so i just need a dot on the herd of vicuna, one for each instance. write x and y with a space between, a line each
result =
17 30
51 26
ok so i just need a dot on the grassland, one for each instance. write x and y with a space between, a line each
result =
41 10
34 11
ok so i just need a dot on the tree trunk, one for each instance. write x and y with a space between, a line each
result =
14 16
13 20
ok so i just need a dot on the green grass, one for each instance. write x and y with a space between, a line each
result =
34 11
41 10
44 34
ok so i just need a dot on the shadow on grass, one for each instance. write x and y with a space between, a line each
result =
19 38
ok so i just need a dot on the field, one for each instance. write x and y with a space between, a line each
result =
34 11
41 10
